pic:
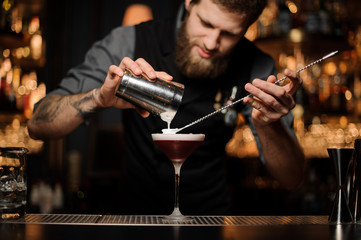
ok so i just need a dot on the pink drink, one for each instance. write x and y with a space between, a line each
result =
178 146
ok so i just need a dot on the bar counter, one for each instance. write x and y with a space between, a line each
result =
70 226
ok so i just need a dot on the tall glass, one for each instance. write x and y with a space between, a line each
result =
177 147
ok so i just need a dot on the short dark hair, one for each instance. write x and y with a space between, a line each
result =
251 8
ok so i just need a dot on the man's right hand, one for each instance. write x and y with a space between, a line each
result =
58 115
105 95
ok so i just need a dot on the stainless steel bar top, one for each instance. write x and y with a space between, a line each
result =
104 227
150 220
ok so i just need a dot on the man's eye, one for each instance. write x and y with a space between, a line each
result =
206 24
229 34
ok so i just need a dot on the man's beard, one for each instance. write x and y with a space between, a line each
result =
199 68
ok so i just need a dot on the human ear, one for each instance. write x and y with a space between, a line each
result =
187 3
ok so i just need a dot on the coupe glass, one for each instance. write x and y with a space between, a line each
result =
177 147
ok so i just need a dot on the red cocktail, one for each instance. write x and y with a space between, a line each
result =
177 147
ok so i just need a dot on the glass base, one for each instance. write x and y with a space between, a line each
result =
177 217
9 213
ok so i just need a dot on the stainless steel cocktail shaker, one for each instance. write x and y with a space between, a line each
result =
157 96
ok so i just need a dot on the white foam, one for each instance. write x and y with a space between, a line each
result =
169 130
168 117
178 136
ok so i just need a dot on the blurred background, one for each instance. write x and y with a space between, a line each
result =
40 40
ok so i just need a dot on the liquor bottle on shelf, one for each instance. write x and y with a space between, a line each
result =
5 17
324 18
357 94
338 11
312 21
284 18
3 100
7 94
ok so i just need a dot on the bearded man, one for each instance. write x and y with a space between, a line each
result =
204 48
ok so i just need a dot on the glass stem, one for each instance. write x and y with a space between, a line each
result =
177 167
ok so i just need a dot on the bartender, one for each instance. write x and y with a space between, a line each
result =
204 48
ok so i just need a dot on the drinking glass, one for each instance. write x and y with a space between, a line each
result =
177 147
12 182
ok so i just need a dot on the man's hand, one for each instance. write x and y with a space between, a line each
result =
105 95
58 115
270 102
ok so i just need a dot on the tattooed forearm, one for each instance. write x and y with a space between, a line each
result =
49 110
82 106
58 115
54 106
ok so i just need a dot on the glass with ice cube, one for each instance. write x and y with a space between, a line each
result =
12 182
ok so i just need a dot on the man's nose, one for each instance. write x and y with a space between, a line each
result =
212 40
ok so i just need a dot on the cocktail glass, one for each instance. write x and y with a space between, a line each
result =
177 147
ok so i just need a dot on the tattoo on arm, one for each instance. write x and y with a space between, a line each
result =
49 109
54 105
80 105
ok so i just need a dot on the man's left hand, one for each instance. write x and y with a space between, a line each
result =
270 101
